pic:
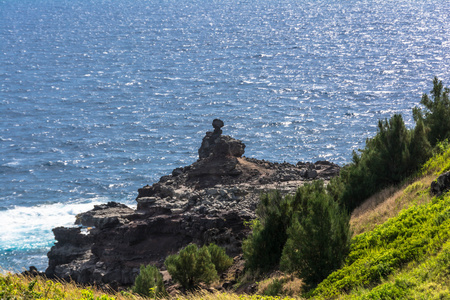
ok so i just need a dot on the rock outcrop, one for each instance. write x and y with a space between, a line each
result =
441 184
208 201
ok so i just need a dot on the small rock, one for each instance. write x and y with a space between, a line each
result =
177 172
310 174
441 184
217 124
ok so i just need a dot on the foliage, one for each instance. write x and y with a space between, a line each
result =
13 286
194 265
318 238
149 282
436 114
388 158
279 284
274 288
191 266
205 295
291 229
263 248
219 258
441 161
395 152
400 258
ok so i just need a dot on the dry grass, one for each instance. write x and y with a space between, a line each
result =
205 295
17 286
294 286
387 204
291 284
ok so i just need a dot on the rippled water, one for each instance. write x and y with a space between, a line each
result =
98 98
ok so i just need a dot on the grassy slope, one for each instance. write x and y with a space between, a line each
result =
401 251
13 286
406 256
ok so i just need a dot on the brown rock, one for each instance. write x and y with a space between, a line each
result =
206 202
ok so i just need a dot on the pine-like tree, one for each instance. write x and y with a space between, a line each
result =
263 248
436 115
149 282
318 239
191 266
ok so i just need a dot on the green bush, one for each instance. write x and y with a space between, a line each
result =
275 288
193 265
219 258
388 158
319 237
149 282
436 115
263 248
292 229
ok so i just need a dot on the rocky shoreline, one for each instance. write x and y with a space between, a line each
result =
208 201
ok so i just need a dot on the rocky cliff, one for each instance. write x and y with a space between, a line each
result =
208 201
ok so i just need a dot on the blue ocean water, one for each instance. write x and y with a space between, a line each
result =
98 98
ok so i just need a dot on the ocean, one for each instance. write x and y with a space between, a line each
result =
101 97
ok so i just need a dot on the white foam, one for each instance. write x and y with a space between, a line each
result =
25 228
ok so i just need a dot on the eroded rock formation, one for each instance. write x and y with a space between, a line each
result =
205 202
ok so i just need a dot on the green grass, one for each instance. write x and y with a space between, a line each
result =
14 286
440 163
406 257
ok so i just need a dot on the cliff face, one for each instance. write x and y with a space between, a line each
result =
205 202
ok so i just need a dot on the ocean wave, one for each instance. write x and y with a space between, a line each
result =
27 228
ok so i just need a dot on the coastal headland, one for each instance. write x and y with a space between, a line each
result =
207 201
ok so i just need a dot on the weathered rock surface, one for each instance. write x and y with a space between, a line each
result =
205 202
441 185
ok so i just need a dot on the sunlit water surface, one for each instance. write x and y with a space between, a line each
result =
98 98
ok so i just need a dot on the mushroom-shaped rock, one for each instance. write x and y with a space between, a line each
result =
218 145
217 124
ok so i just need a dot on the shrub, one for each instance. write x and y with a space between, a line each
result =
319 237
149 282
436 115
194 265
263 248
274 288
219 258
309 232
388 158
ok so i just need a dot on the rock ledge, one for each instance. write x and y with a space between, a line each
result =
205 202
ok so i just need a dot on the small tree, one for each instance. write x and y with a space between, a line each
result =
194 265
436 115
420 147
318 239
263 248
219 258
393 154
149 282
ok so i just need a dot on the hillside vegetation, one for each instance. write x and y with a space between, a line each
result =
406 257
374 232
307 234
